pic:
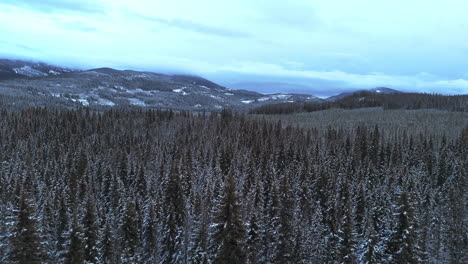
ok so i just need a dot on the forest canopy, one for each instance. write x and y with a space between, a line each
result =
134 186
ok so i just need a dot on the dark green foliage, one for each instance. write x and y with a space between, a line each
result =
91 232
403 244
130 234
173 219
26 245
76 252
108 246
228 231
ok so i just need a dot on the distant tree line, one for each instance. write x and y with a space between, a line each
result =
152 186
458 103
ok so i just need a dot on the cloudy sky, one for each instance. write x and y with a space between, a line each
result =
323 46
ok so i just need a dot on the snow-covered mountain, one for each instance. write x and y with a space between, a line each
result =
13 69
109 87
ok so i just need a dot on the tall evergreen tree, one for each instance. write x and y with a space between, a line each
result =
228 231
91 231
108 254
76 252
285 244
26 246
130 235
173 219
403 244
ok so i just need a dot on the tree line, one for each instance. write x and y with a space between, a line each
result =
457 103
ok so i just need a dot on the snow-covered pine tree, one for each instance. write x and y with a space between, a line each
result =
25 241
108 254
403 246
173 219
76 253
91 230
228 231
253 242
130 235
285 231
149 235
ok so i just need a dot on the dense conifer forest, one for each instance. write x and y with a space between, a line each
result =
456 103
150 186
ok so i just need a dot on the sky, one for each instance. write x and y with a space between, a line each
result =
321 47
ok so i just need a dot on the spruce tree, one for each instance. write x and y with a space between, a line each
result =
403 247
91 232
253 242
25 242
76 252
285 244
149 235
130 235
228 231
108 254
173 219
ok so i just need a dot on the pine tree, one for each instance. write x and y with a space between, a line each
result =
130 235
228 231
403 246
63 232
347 243
76 253
149 236
200 238
91 232
284 248
173 219
108 255
372 248
26 246
253 242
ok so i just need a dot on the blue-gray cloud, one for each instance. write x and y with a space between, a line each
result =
54 6
194 26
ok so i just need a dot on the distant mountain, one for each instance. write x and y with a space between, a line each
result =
378 90
39 84
12 69
272 87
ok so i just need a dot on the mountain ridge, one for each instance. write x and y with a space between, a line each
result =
111 87
377 90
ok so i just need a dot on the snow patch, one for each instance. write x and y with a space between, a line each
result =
247 101
52 72
83 101
140 91
135 101
275 97
180 90
28 71
215 97
103 101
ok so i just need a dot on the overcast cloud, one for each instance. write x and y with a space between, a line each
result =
409 45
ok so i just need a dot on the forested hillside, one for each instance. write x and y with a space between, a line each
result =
153 186
456 103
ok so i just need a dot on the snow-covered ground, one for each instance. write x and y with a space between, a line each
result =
28 71
135 101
